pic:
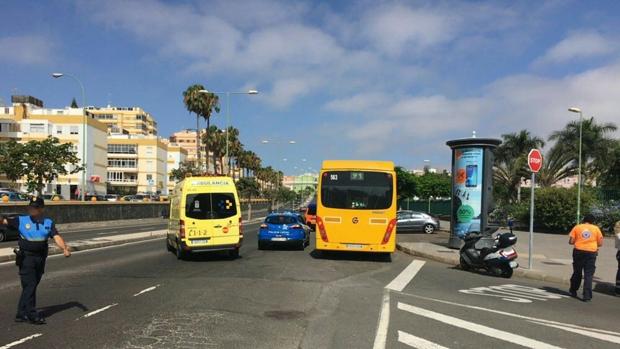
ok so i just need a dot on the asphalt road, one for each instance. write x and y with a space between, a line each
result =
139 296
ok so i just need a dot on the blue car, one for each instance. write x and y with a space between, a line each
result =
283 228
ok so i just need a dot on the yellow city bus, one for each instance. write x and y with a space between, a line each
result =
356 206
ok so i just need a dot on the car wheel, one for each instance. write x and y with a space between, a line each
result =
429 228
2 236
302 245
234 254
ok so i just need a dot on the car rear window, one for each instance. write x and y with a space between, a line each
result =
281 220
210 205
357 190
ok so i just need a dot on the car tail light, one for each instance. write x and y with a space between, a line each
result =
388 231
241 226
319 223
182 229
295 226
263 226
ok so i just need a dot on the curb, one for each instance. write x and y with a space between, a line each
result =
454 261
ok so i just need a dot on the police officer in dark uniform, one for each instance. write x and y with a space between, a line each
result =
34 232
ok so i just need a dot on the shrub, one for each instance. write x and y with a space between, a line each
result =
606 217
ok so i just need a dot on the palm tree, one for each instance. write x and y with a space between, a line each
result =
557 165
511 162
203 105
596 144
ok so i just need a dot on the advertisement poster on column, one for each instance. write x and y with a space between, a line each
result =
467 198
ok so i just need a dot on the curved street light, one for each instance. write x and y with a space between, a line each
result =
60 75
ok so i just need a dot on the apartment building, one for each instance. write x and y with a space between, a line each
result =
27 120
125 120
186 139
176 156
137 164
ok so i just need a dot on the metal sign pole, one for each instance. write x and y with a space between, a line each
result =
533 187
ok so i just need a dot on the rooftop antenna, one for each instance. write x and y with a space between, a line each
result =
109 100
473 134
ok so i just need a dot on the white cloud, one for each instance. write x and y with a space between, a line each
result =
359 103
578 45
26 49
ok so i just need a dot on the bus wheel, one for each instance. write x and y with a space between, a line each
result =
386 257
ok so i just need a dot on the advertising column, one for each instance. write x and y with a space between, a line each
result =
472 186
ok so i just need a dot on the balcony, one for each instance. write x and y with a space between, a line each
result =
123 181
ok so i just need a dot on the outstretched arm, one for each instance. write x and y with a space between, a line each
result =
61 243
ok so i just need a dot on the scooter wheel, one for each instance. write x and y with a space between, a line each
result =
506 272
464 264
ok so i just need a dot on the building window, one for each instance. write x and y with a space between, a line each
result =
122 148
126 163
37 128
58 130
74 130
149 177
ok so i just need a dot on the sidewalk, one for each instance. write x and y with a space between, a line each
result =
552 255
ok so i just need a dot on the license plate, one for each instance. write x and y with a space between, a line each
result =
200 241
278 239
514 264
355 246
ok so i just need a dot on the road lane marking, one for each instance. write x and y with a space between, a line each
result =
592 334
586 331
21 341
400 282
148 289
97 311
474 327
417 342
384 322
513 293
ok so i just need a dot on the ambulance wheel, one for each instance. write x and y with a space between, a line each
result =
180 253
234 254
2 236
168 246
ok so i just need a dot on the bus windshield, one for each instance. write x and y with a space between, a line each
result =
357 190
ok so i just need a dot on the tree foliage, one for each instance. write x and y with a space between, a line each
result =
74 103
40 162
405 183
203 105
185 169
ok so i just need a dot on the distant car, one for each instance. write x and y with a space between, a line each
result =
416 221
112 197
52 197
283 228
129 198
8 233
13 196
311 216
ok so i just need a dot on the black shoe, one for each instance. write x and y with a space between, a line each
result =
21 318
573 293
39 320
587 300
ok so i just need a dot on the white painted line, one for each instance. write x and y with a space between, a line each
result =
401 281
601 336
586 331
384 322
97 311
21 341
149 289
474 327
417 342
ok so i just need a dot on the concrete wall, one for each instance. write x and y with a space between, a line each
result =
76 212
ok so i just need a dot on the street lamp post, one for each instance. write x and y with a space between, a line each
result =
579 179
228 93
84 164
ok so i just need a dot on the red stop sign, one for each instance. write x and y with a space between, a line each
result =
535 160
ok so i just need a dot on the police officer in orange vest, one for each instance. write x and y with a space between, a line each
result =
34 232
587 238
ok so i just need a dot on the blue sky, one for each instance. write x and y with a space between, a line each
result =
390 80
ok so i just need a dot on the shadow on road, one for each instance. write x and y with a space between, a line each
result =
214 256
53 309
352 256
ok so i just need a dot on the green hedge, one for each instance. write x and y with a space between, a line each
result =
555 209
